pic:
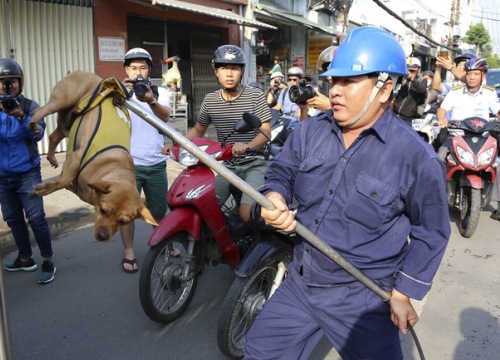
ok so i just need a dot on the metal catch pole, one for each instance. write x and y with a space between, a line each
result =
5 353
178 138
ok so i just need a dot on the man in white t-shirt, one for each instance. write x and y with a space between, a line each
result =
146 145
468 100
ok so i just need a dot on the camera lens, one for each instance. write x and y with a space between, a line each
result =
9 104
294 93
140 89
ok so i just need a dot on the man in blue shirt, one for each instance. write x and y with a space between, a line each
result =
373 190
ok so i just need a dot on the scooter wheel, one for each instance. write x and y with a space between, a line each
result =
244 301
169 275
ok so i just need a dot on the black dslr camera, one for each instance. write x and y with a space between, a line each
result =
302 92
9 102
141 85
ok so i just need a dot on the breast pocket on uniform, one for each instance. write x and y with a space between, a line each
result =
371 202
309 174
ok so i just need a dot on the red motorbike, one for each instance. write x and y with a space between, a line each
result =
198 231
470 171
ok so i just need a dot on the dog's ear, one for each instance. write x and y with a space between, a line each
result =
100 186
146 215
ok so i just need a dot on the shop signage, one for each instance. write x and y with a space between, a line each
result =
111 48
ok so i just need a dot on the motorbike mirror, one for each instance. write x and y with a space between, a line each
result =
242 126
252 120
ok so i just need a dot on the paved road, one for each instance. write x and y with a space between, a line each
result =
92 309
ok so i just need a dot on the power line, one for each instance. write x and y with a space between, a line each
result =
483 17
429 10
389 11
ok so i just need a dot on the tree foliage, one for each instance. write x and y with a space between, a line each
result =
480 37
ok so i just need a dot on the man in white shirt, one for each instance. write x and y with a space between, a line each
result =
467 100
146 145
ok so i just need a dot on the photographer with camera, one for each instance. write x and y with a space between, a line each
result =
276 86
20 172
146 145
312 100
285 103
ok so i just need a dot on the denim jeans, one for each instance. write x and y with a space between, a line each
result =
16 201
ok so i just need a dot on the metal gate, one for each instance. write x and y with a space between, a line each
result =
47 40
203 81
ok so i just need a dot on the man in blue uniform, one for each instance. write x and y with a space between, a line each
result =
373 190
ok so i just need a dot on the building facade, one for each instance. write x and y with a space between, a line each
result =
50 38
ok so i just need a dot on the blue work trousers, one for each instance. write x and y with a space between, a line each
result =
351 316
17 201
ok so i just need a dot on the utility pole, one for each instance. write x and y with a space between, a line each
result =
454 29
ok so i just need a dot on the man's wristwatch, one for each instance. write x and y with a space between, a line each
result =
152 104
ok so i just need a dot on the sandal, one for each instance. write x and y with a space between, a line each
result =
132 263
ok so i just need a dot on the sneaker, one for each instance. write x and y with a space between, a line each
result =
48 271
20 265
495 215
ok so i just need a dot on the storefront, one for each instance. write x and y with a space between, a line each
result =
191 31
48 39
297 41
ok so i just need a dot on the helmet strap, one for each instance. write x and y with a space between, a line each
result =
382 78
231 90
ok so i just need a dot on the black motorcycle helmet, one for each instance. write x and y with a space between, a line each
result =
464 57
228 54
9 68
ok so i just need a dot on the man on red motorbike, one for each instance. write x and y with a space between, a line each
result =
223 108
468 100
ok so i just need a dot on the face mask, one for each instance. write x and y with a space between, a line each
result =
429 82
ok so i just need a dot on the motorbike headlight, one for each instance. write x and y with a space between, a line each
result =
465 156
486 157
187 159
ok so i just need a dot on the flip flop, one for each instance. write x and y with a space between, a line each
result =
131 263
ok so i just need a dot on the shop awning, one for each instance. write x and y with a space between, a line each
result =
287 18
82 3
215 12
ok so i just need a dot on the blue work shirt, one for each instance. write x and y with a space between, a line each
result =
381 203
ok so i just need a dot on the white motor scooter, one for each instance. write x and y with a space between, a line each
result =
427 128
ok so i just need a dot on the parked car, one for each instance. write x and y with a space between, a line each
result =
493 79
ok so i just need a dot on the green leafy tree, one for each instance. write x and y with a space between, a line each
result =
480 37
493 61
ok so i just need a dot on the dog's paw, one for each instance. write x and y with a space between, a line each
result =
40 190
53 161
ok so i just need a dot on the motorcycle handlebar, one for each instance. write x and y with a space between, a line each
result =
251 151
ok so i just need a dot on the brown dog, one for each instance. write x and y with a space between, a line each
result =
100 174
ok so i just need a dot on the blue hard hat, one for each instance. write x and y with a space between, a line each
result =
368 50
